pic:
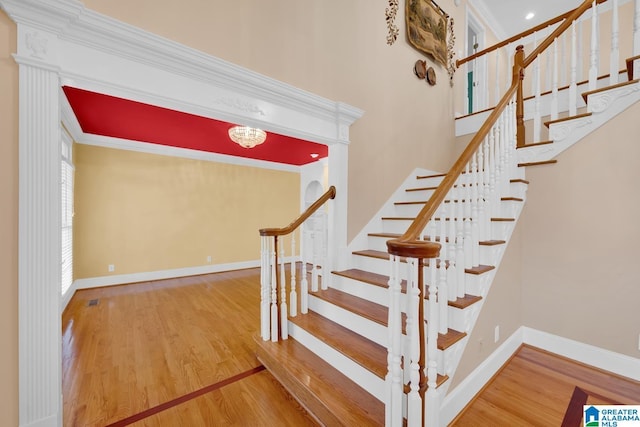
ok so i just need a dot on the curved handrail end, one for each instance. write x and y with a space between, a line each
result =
413 248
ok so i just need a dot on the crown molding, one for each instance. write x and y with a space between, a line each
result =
91 49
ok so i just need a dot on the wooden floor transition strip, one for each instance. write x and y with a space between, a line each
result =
185 398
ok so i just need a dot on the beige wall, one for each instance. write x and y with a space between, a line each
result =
580 240
336 49
502 307
8 223
146 212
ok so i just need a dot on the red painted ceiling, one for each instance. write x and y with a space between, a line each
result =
106 115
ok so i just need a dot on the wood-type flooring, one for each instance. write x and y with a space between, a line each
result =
181 352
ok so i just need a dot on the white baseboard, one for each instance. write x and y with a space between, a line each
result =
459 397
600 358
68 295
607 360
121 279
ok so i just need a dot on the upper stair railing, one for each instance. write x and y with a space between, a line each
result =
582 57
312 227
442 245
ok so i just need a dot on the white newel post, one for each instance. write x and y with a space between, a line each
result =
39 253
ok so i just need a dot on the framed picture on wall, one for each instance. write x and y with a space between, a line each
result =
426 26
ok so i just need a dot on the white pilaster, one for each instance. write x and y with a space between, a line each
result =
39 265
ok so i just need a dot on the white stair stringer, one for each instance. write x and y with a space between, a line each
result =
603 106
352 370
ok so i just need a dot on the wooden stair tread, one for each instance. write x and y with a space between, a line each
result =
492 242
421 189
321 389
564 119
603 89
383 281
397 218
450 338
438 175
378 313
441 379
361 350
512 199
420 202
546 162
480 269
365 276
534 144
519 181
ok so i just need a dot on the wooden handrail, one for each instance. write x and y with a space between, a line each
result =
330 194
564 16
561 28
408 244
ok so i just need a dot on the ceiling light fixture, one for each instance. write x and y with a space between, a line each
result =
246 136
529 16
314 155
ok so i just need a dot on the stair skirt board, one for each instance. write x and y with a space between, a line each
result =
367 328
353 370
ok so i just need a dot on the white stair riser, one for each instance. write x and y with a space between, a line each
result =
367 328
353 370
372 293
395 226
415 196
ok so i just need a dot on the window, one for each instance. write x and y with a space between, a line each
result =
66 223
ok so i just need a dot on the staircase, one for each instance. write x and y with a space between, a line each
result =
339 359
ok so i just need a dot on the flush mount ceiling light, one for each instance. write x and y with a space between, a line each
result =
530 15
246 136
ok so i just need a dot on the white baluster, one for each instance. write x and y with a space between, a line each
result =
304 283
393 407
614 59
573 86
547 67
537 115
470 184
414 400
274 292
554 90
563 59
593 57
442 285
293 296
433 402
580 50
265 287
453 262
284 332
476 214
497 89
325 250
460 260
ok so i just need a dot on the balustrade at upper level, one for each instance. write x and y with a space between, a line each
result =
591 54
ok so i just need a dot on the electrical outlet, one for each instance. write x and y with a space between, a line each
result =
111 268
496 334
209 259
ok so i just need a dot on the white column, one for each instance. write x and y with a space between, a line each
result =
39 253
337 221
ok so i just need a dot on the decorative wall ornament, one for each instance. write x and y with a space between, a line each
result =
240 105
36 44
427 28
451 43
390 16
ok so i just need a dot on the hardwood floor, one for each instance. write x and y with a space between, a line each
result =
537 388
181 352
146 344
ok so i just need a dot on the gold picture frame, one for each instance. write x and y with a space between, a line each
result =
427 28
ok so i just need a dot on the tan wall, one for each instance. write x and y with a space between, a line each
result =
146 212
336 49
580 240
502 307
8 223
